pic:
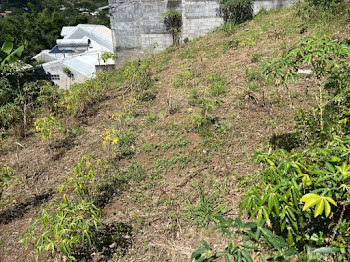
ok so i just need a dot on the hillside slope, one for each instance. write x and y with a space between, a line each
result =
186 140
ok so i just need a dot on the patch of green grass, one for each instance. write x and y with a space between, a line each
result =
256 58
253 86
208 206
229 28
231 44
183 78
251 75
182 141
126 138
189 53
136 172
217 84
177 160
151 118
148 147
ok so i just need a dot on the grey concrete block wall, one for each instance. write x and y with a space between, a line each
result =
200 17
138 26
272 4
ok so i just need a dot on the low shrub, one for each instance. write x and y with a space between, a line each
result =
319 176
246 242
6 178
217 84
81 97
236 11
48 127
71 221
328 60
138 75
207 207
63 226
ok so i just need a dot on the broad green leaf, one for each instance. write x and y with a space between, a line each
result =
319 207
327 208
8 45
321 202
310 200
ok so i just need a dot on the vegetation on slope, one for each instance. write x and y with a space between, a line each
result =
143 161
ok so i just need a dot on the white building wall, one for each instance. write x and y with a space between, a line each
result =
64 82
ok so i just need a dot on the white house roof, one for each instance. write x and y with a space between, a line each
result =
99 33
83 63
67 30
85 44
44 55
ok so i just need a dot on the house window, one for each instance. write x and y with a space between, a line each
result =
55 77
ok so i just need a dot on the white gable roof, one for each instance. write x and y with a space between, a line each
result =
99 33
44 55
67 30
84 64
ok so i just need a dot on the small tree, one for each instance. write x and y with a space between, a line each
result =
173 23
236 11
105 56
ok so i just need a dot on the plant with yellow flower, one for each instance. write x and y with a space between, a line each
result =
48 127
110 140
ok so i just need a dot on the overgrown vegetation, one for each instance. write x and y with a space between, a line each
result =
157 153
236 11
303 195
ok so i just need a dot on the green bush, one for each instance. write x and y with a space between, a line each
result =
328 60
320 124
63 226
246 242
323 4
287 179
313 10
6 176
72 220
138 76
88 172
20 107
48 127
20 100
81 97
237 11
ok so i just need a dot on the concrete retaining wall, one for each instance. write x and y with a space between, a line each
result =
138 27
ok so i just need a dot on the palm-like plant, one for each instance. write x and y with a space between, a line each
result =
7 54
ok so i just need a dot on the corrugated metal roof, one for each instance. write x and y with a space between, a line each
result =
84 64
